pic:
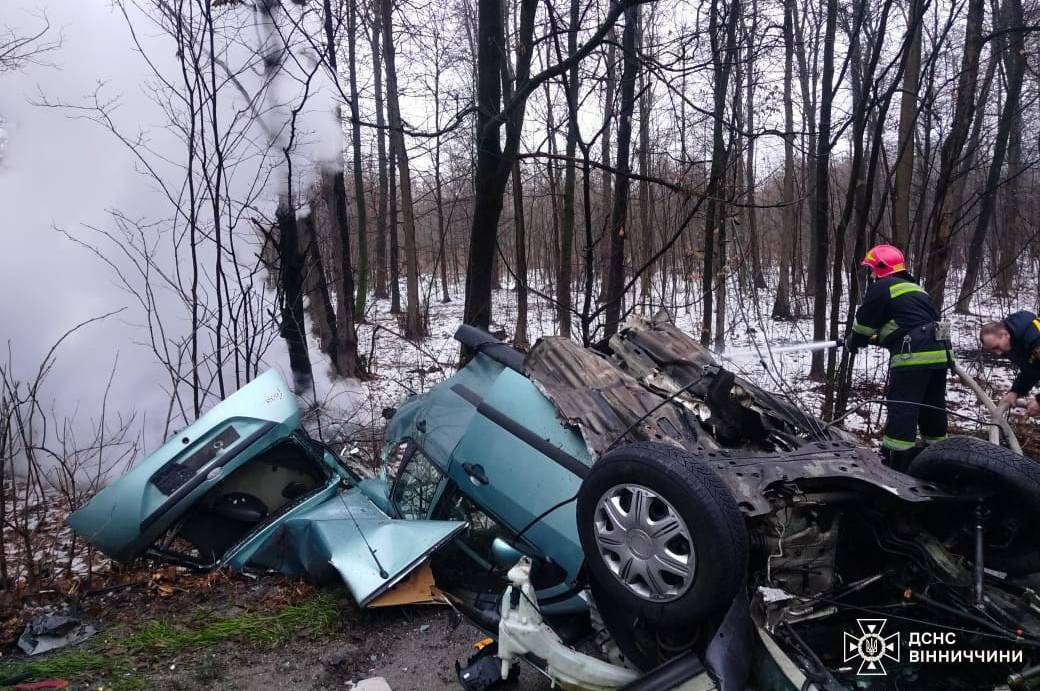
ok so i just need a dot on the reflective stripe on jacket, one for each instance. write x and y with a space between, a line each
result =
898 311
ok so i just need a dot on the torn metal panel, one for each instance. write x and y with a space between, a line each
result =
667 360
245 487
752 439
748 475
350 538
601 400
125 517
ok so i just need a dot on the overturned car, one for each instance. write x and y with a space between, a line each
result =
630 514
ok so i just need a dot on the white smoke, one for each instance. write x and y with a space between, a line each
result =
62 171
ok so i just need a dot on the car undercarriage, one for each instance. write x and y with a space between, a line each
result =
834 537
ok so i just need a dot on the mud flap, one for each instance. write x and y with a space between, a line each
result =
726 657
732 646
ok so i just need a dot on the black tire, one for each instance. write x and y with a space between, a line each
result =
1014 480
715 526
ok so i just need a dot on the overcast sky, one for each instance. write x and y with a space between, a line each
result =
61 172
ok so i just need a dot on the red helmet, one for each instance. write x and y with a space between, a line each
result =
885 260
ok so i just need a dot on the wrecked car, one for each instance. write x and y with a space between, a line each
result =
244 486
633 511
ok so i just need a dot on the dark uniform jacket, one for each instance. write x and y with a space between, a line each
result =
1025 350
899 312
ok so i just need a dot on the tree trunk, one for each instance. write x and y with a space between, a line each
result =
346 329
966 164
380 134
723 60
494 161
1014 70
821 212
346 362
552 176
757 277
355 134
290 265
858 192
619 214
489 179
438 183
413 329
1009 247
806 78
316 287
782 303
942 216
645 229
564 300
609 95
903 187
520 338
395 247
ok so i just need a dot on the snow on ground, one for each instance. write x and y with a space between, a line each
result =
401 368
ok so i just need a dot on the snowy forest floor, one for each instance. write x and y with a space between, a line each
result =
399 368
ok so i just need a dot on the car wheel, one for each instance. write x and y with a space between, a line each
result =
662 534
1014 509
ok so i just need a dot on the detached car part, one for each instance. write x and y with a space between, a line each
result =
245 487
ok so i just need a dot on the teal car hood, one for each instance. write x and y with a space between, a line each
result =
125 517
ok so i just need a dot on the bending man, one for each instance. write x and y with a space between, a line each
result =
1017 337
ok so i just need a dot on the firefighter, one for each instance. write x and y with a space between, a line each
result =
898 315
1017 337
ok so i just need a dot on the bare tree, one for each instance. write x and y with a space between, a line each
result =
821 211
942 218
782 302
375 30
18 49
1014 57
722 30
495 160
619 215
359 177
902 188
572 86
413 326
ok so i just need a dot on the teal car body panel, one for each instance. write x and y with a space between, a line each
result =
129 514
332 529
522 482
326 540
